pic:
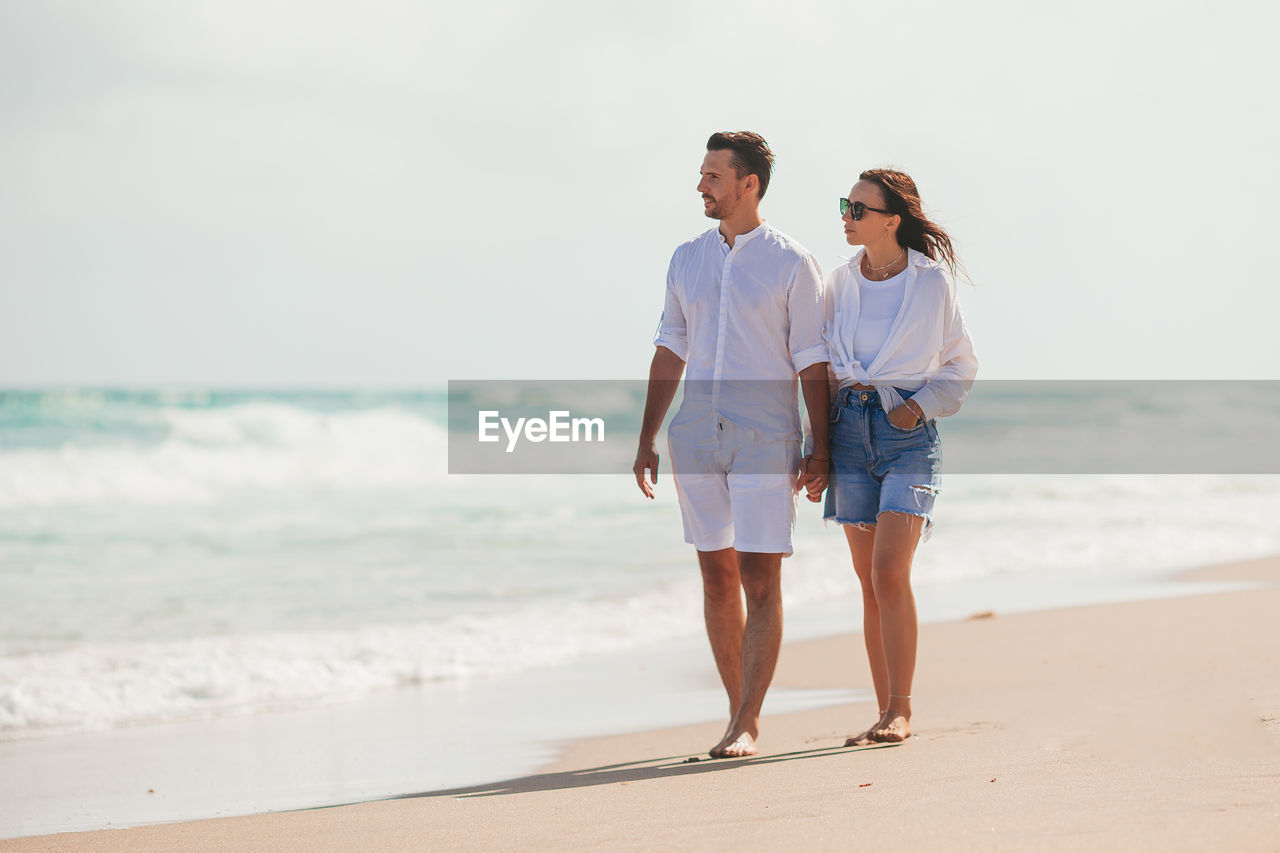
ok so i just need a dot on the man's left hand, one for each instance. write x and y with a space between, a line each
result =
814 474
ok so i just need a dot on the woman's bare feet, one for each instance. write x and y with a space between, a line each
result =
894 731
866 737
895 726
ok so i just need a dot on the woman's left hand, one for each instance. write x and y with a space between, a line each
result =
904 418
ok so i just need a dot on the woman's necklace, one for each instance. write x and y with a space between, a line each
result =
866 258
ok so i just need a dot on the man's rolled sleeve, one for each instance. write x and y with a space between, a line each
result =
673 330
807 314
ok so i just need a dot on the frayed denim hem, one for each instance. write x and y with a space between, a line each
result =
925 532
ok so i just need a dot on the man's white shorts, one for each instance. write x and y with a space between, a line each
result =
735 490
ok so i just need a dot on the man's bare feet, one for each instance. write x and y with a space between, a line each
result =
895 730
735 746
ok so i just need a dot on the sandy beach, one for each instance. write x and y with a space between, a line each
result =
1141 725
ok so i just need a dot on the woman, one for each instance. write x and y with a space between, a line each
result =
901 357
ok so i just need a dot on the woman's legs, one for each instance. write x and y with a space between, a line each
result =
897 535
861 547
882 558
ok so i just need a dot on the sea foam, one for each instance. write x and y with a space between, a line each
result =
206 455
100 686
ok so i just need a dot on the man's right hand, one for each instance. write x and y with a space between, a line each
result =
646 460
664 378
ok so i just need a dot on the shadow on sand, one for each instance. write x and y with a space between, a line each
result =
634 771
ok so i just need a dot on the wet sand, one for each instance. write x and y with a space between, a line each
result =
1139 725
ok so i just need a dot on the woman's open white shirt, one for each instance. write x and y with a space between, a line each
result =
928 342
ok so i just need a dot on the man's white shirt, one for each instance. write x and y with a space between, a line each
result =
745 321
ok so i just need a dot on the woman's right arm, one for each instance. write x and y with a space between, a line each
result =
958 363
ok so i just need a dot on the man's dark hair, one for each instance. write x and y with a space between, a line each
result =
751 154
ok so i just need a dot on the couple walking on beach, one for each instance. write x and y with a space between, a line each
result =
879 353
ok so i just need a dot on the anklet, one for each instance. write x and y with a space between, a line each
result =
895 696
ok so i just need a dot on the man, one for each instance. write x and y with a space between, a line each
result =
744 312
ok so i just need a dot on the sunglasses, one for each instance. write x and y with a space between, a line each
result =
859 208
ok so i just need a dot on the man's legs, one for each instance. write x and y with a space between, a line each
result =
761 639
757 501
726 621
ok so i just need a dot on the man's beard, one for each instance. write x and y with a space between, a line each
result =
718 209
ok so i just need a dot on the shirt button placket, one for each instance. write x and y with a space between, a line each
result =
726 281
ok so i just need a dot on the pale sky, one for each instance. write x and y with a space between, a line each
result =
274 194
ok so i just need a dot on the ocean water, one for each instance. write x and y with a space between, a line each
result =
197 555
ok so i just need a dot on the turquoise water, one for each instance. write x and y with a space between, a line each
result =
198 554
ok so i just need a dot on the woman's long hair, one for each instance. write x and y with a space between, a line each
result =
915 231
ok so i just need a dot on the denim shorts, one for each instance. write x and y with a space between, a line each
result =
877 467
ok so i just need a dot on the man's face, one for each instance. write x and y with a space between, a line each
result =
721 188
